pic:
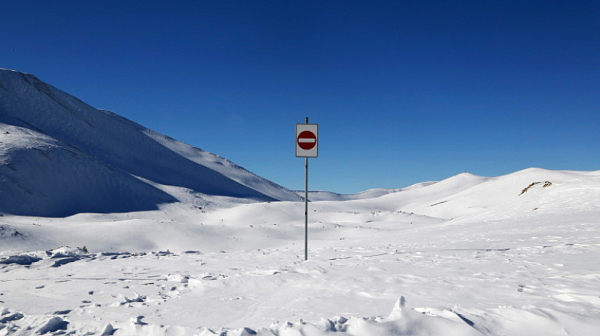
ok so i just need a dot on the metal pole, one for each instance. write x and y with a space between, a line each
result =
306 205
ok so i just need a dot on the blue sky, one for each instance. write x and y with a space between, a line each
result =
403 91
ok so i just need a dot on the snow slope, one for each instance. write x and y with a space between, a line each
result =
60 156
316 196
517 195
468 255
41 176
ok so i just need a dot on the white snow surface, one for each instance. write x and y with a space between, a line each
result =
469 255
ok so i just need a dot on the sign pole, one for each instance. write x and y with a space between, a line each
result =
306 205
307 146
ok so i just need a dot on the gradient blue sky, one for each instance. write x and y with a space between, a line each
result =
403 91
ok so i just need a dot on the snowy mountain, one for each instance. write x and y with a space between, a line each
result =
469 255
60 156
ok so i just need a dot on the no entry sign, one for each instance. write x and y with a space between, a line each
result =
307 140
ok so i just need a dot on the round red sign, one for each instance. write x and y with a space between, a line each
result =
307 140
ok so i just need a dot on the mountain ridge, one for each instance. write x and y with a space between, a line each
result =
122 151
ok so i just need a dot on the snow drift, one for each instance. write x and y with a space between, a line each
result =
60 156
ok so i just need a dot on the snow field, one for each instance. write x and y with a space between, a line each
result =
486 271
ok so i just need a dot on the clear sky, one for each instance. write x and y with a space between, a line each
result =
403 91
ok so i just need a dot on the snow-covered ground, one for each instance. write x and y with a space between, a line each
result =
465 256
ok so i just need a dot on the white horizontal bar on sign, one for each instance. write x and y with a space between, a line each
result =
307 140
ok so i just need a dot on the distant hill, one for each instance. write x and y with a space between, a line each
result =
522 193
316 196
60 156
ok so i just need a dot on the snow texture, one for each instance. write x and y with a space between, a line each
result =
465 256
